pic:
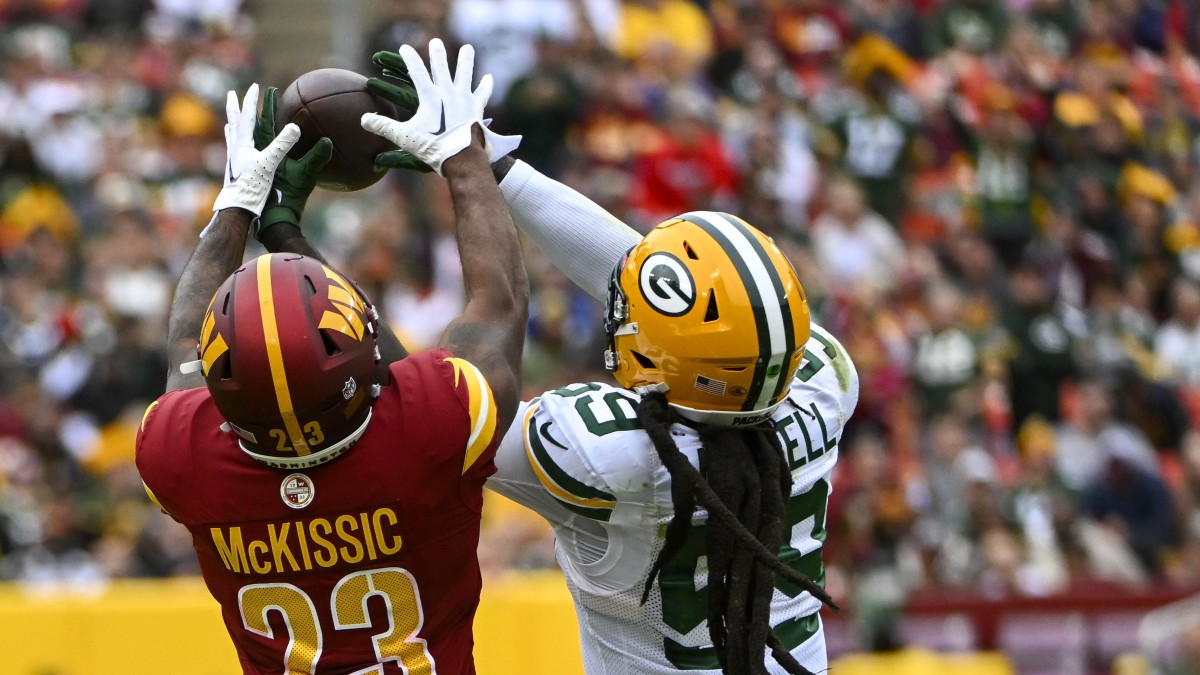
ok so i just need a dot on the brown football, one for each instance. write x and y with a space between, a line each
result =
330 102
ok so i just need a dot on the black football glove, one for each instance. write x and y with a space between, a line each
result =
294 179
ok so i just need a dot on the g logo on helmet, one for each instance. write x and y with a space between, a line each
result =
667 285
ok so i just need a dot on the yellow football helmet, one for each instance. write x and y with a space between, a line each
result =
708 310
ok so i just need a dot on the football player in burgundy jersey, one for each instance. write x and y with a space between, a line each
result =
332 484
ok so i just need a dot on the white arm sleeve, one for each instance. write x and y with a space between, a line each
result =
576 234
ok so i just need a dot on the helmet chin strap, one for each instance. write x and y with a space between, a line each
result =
644 389
716 418
726 418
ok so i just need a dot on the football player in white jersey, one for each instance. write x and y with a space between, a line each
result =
689 503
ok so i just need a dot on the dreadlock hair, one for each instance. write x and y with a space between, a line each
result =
744 483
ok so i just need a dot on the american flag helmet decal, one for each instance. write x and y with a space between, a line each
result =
710 386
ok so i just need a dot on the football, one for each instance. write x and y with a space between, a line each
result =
330 102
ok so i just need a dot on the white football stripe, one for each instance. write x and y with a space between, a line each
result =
766 290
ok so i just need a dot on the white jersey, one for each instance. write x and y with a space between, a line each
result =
578 456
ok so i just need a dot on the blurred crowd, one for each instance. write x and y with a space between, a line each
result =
995 204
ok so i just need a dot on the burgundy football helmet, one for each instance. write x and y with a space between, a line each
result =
288 349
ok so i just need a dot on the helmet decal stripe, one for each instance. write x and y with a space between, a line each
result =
212 345
266 306
769 304
212 352
348 317
785 308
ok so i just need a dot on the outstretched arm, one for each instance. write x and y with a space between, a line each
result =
582 239
490 333
248 174
218 255
446 134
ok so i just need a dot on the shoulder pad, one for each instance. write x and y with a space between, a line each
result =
827 379
586 439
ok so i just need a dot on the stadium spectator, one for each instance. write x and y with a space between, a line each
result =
1177 343
1041 356
661 30
688 167
1085 444
875 122
1135 503
947 360
853 243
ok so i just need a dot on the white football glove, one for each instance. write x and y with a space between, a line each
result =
447 109
249 172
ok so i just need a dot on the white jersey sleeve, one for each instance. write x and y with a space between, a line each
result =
582 239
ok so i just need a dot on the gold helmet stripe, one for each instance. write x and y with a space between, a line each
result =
283 396
769 303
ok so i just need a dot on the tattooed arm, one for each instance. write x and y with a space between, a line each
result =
248 174
218 255
490 333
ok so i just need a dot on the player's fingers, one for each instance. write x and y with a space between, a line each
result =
483 92
264 128
249 113
387 59
282 143
231 108
392 159
382 89
401 76
289 135
417 71
399 159
438 65
268 107
392 64
401 96
379 125
317 157
465 70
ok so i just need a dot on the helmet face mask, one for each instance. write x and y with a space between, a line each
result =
709 310
288 351
615 311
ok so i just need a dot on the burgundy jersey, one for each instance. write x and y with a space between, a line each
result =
363 564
